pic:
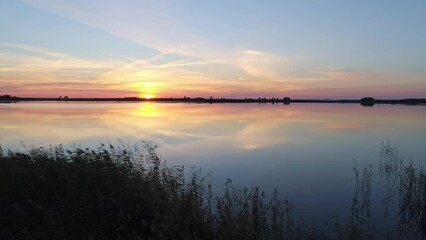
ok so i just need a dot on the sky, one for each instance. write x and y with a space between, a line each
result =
202 48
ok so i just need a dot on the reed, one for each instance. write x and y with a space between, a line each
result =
121 192
128 192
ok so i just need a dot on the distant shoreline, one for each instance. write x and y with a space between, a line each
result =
364 101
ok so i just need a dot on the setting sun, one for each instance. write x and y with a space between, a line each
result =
147 96
146 90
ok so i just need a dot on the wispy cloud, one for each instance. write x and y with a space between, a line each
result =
253 52
30 59
350 74
35 71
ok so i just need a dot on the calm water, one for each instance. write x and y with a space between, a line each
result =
306 151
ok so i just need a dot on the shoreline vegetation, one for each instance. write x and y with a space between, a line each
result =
366 101
123 192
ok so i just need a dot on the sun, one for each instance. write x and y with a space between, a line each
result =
146 90
147 96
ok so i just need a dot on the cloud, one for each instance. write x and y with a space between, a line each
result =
253 52
160 26
30 59
264 65
34 71
350 74
152 23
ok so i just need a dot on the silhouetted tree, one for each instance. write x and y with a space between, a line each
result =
367 101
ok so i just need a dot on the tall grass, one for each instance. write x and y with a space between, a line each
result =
357 225
122 192
128 193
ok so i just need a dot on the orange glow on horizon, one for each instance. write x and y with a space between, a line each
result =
146 90
147 96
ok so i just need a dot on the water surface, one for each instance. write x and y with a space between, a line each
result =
306 151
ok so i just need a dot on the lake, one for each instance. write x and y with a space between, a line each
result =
306 151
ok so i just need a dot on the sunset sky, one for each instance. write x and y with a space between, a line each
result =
221 48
